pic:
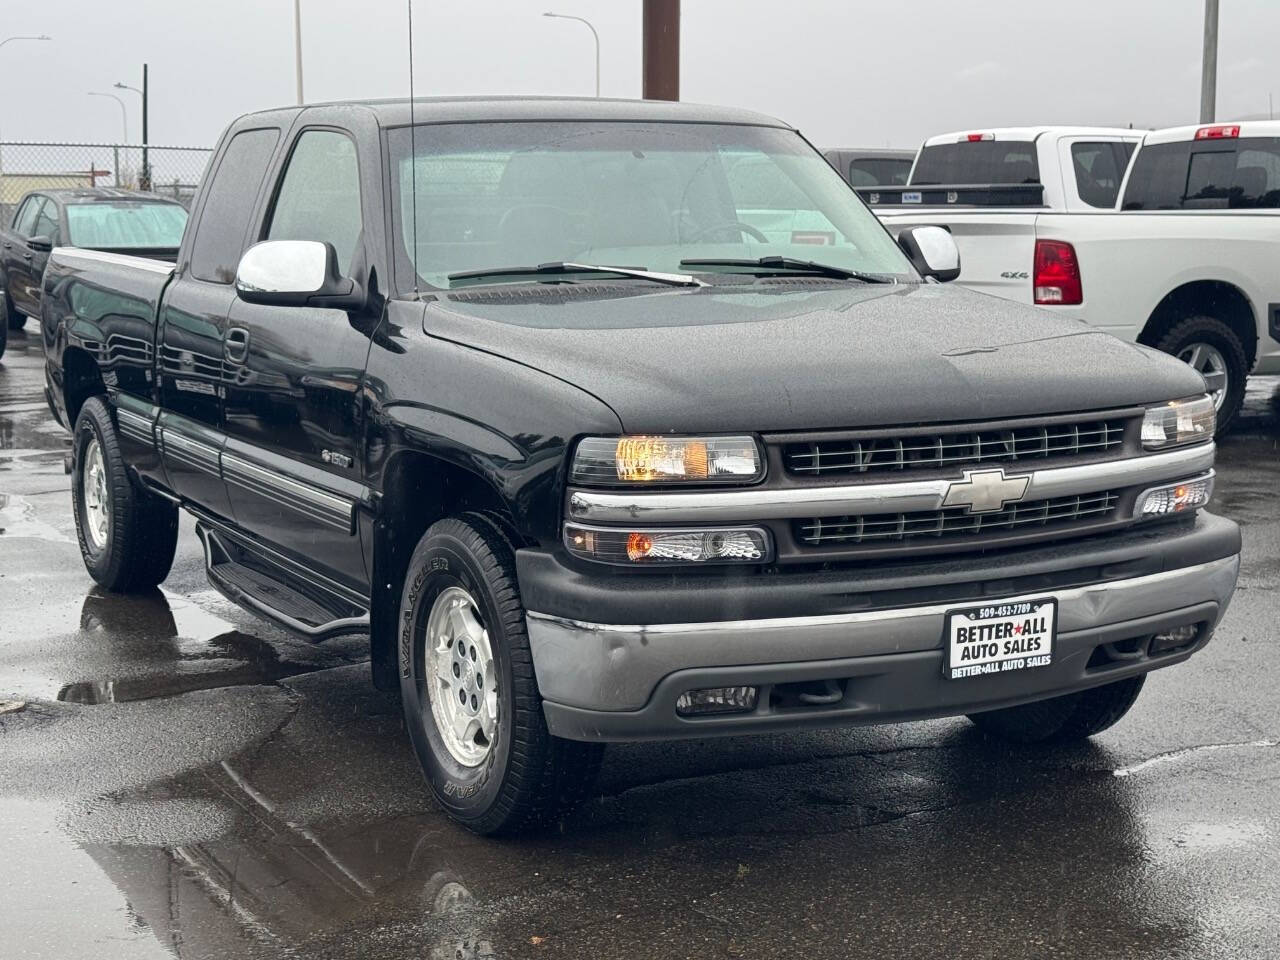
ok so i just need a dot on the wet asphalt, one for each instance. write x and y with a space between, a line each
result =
179 779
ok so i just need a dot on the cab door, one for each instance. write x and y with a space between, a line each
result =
23 265
193 352
293 460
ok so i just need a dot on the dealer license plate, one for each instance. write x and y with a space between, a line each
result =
999 637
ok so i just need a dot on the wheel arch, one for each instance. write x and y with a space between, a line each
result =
418 489
81 379
1213 298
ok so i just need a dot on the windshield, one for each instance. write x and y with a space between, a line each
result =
126 224
643 195
977 161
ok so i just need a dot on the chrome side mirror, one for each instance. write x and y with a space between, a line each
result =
932 251
295 273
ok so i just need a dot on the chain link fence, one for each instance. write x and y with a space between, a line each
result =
169 171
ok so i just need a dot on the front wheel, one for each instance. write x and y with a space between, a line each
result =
1075 716
1213 350
468 689
13 320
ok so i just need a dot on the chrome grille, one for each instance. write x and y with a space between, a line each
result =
943 449
955 523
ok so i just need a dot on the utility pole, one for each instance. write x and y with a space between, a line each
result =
1209 64
662 49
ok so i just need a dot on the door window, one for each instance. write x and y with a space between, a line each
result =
46 224
26 218
224 220
319 196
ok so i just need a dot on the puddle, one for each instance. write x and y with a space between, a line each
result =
91 692
65 907
111 648
206 652
1211 837
269 879
18 519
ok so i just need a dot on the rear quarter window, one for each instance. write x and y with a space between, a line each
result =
1206 175
1099 167
224 218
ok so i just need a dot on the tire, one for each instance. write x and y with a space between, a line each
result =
512 775
13 320
1199 331
1076 716
134 534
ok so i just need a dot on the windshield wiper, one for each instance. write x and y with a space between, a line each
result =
792 265
559 267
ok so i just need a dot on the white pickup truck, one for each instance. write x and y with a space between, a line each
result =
1188 262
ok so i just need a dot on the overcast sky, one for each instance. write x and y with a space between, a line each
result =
854 72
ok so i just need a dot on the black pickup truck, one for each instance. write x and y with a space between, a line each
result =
594 450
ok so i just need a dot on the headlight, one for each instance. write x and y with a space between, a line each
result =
664 546
615 460
1179 422
1184 497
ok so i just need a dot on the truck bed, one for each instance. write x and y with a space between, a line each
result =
108 304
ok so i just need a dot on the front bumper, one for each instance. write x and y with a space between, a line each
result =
612 678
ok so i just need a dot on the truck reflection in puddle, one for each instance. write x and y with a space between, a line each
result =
274 881
176 663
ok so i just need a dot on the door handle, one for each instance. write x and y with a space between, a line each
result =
235 345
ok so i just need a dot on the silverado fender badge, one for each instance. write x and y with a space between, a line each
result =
337 459
984 491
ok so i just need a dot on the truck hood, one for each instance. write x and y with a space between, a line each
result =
796 355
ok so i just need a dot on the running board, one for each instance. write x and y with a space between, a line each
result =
264 588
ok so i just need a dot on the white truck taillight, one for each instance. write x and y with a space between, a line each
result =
1057 274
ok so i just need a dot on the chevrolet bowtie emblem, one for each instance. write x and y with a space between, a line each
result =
984 491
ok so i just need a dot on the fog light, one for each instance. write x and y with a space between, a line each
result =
1173 639
665 546
717 700
1174 498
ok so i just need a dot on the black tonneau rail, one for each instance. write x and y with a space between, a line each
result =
956 195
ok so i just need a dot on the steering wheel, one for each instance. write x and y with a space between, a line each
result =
738 225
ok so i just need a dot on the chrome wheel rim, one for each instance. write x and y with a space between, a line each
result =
460 677
1209 362
97 497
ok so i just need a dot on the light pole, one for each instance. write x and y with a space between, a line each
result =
124 114
297 45
568 16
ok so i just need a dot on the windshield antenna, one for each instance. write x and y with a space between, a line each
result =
413 156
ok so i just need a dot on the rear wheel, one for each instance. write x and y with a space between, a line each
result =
1212 348
468 690
1063 719
128 536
